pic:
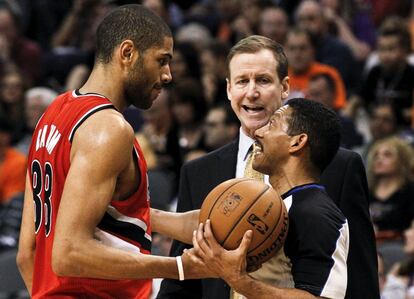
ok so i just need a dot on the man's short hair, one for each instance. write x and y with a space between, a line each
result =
256 43
396 26
330 82
302 31
322 126
134 22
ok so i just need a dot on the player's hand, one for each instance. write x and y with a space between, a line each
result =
227 264
194 267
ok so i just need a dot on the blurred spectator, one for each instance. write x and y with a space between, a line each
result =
15 48
12 88
161 132
382 9
149 153
10 219
204 13
74 41
78 28
391 187
161 245
393 79
411 26
37 99
12 166
43 18
159 142
229 10
221 126
195 34
247 21
390 23
213 59
381 272
329 49
186 62
332 12
399 282
189 108
194 154
382 123
250 11
322 89
274 24
300 52
77 77
160 7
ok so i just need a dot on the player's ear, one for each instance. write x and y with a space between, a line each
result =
298 142
127 52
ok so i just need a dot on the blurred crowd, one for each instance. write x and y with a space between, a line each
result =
354 56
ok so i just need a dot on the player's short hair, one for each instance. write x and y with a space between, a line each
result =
256 43
322 126
134 22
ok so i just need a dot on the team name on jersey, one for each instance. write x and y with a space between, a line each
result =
47 137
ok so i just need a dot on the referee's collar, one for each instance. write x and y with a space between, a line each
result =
302 187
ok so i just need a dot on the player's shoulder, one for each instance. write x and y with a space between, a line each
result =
106 127
312 202
314 208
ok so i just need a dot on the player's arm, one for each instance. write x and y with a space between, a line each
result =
230 265
178 226
27 240
101 151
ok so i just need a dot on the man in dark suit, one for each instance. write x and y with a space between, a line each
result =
256 86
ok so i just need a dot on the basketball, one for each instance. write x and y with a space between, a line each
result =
238 205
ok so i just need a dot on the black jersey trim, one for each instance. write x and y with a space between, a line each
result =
125 229
86 115
78 94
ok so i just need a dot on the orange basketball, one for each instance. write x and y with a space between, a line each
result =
238 205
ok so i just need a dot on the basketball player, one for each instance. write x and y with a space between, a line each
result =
295 147
86 187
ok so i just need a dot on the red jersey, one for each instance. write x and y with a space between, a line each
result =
125 224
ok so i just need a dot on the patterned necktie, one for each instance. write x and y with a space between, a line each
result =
249 172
